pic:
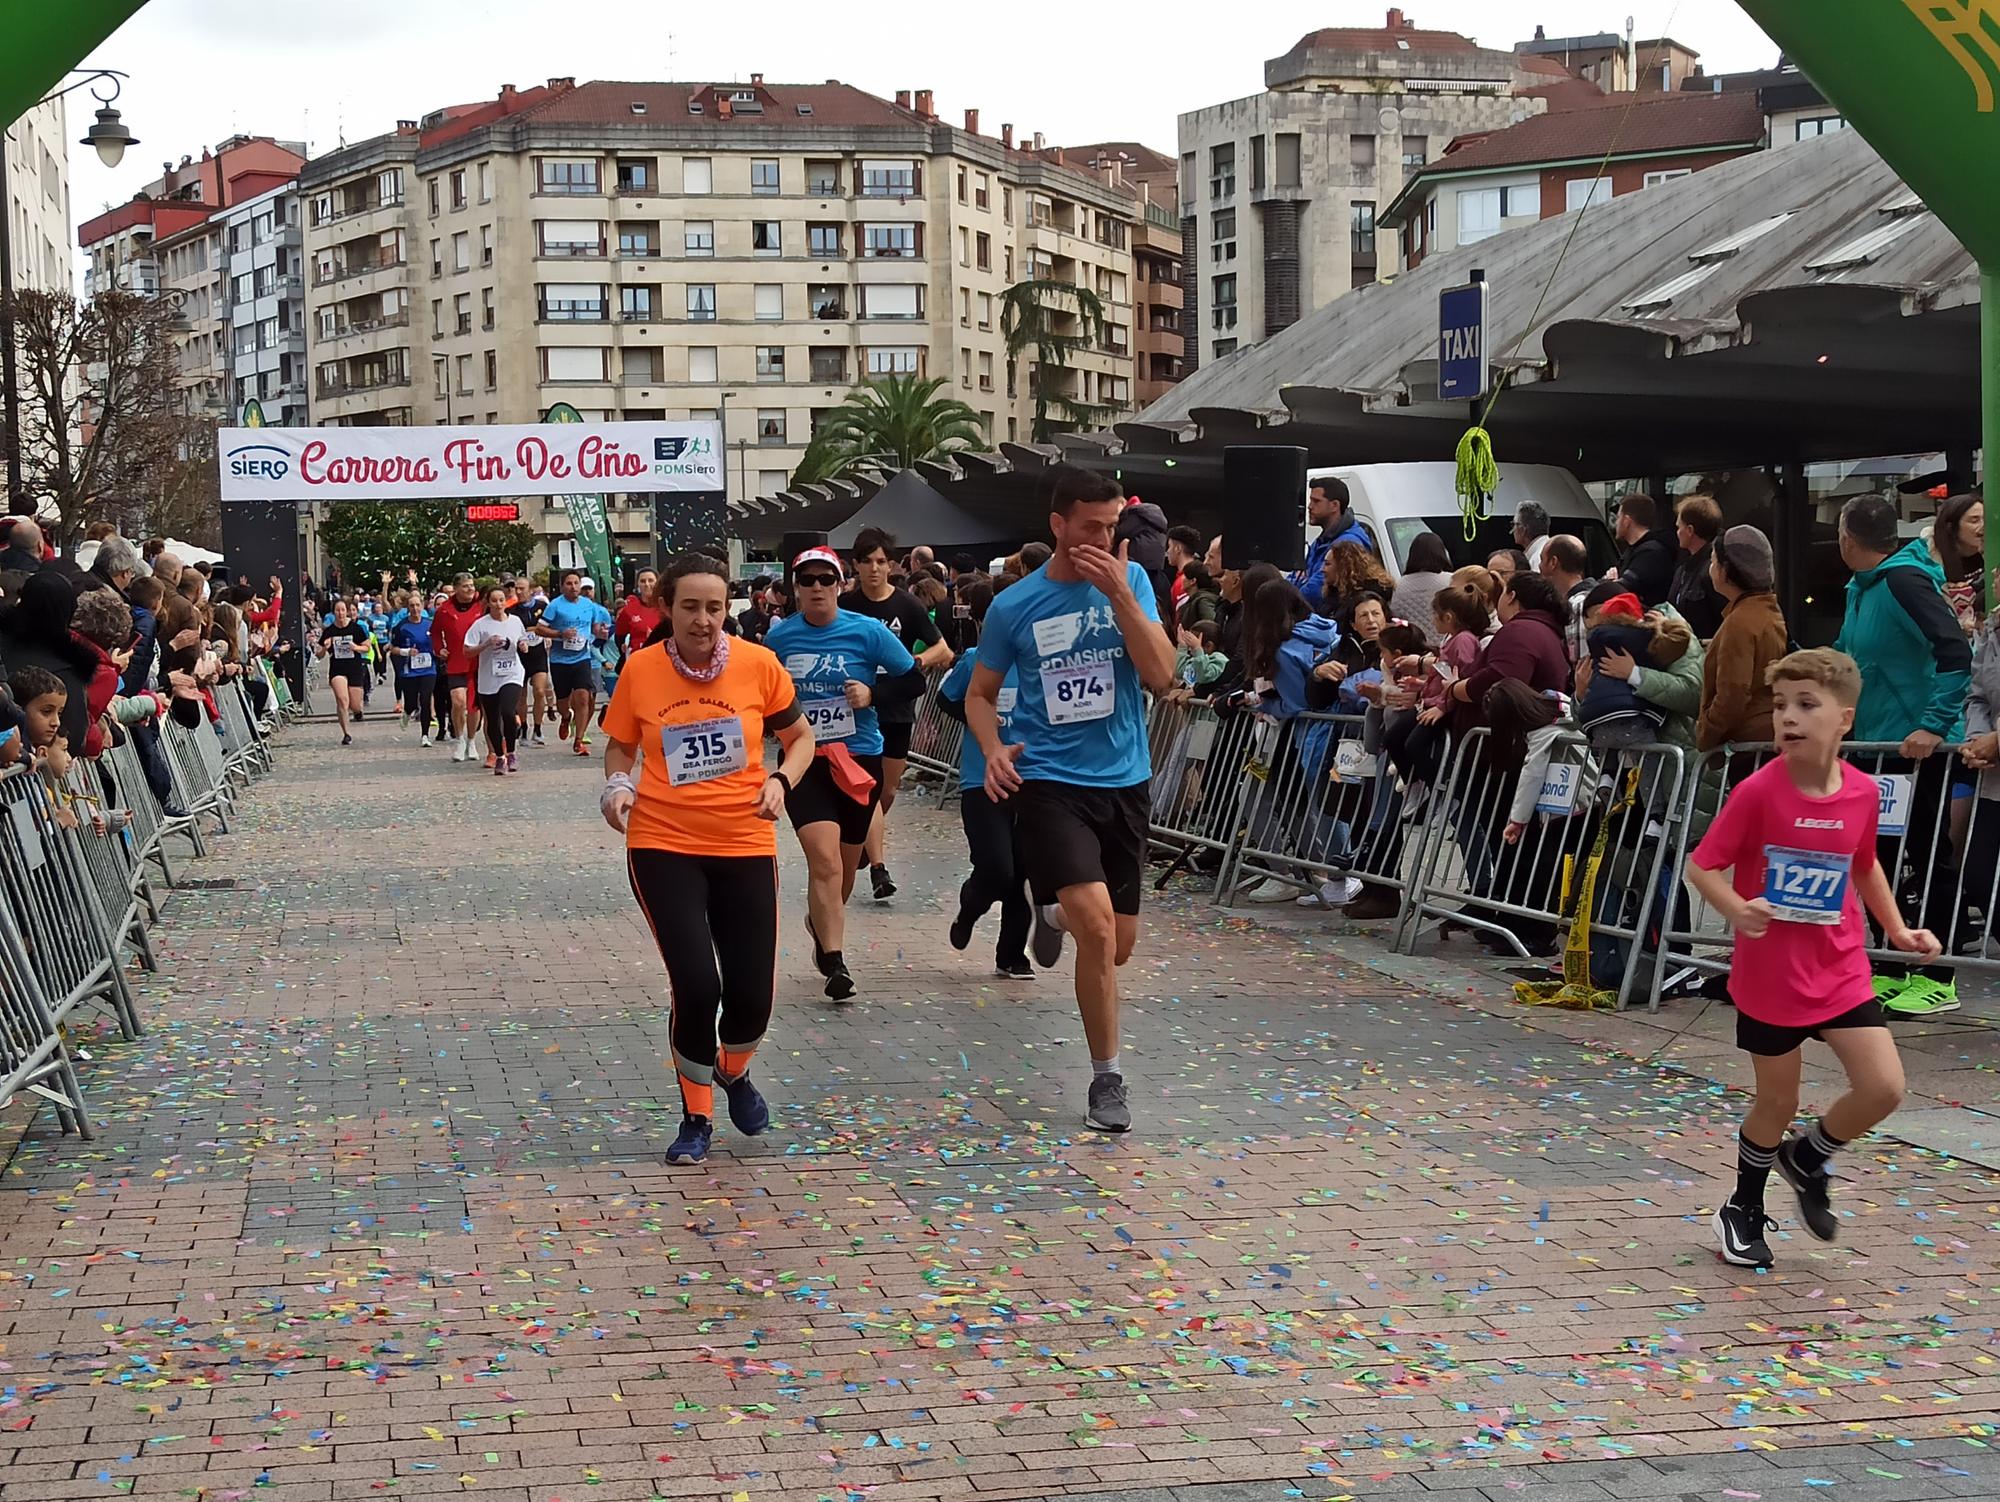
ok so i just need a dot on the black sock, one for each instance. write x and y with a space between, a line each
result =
833 959
1753 1167
1812 1150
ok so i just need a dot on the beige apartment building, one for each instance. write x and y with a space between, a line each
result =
37 199
190 266
740 252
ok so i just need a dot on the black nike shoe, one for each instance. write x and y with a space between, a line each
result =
1815 1203
1741 1235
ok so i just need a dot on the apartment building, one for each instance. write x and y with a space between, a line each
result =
742 252
37 198
189 266
121 240
1154 178
1279 191
262 247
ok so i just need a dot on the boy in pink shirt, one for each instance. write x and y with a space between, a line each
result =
1784 862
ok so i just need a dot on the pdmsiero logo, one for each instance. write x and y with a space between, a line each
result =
259 461
683 456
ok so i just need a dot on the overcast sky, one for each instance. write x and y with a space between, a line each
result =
204 69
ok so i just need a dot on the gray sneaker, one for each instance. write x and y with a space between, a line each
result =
1108 1111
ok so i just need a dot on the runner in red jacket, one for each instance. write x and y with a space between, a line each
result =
454 618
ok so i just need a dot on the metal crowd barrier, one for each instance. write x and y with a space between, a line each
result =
1944 865
33 1056
1199 757
149 826
69 943
935 740
201 786
104 839
1606 827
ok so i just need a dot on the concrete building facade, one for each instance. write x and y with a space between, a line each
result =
190 265
1279 191
744 252
262 246
37 203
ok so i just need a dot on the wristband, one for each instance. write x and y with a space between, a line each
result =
617 782
783 780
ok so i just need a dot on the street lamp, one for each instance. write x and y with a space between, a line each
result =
110 138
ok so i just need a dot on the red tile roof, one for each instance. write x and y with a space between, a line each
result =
834 105
1624 125
1383 39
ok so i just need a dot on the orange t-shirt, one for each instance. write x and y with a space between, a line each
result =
701 750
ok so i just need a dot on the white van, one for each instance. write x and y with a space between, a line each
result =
1396 502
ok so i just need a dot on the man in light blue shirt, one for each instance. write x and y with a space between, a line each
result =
574 625
1081 636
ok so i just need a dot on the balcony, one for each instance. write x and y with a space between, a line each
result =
355 210
367 326
573 250
345 386
1159 218
348 273
572 312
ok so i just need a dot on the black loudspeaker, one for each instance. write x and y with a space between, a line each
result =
1264 498
260 539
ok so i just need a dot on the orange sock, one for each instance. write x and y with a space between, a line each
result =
697 1099
731 1063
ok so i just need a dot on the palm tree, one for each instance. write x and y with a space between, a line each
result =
1028 314
893 420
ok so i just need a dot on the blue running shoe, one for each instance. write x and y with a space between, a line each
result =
692 1144
747 1111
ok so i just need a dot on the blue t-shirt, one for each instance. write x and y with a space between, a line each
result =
1079 713
416 635
576 619
823 660
972 760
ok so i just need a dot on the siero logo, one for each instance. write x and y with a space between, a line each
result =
259 461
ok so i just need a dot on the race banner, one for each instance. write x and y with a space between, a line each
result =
586 519
456 463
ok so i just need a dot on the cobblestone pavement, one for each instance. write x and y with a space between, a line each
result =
379 1209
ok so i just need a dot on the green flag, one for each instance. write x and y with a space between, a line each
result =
587 519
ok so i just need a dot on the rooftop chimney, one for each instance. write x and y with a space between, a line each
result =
1007 136
1038 140
924 104
757 80
557 85
902 99
972 122
723 109
1541 35
1396 21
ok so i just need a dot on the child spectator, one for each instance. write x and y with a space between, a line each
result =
1609 708
1197 662
1416 748
1796 840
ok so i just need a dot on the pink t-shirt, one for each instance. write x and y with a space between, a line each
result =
1802 855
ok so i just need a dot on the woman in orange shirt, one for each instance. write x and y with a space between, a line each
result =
690 715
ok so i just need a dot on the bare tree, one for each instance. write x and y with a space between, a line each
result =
100 425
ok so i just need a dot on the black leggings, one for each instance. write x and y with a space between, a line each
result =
702 908
503 729
994 837
417 698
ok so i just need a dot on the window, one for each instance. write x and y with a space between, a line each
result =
1361 229
486 307
763 175
464 375
572 302
1224 347
985 371
266 280
986 310
894 359
770 425
260 228
771 481
571 237
486 245
982 251
461 251
388 188
1478 214
982 193
1416 150
1256 164
900 301
830 366
639 367
770 300
1007 263
701 302
964 186
701 365
878 240
766 237
770 362
1361 153
824 240
637 240
699 237
888 179
1654 179
432 186
437 258
1222 235
1222 171
635 304
965 308
461 312
965 367
1222 300
1819 125
697 175
823 179
492 369
1586 192
458 189
573 364
1285 168
635 175
575 175
1006 203
485 182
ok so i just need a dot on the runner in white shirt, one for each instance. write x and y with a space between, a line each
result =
495 642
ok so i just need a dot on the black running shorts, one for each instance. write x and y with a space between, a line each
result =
1770 1040
818 800
1073 836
